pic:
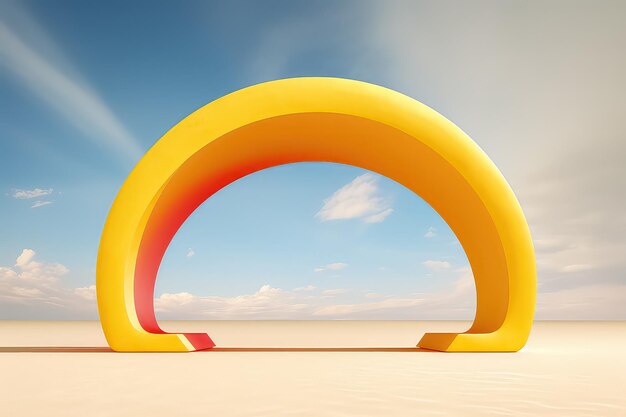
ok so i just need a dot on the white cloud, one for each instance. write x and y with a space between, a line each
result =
437 265
25 257
31 272
75 101
42 272
336 266
7 273
167 300
307 288
430 233
88 293
40 203
29 275
34 193
34 289
190 253
360 199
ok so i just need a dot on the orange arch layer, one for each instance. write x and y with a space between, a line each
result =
327 120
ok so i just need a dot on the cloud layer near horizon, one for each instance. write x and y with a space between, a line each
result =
30 287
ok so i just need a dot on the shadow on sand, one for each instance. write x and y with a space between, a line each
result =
103 349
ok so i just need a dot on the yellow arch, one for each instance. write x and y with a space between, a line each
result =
329 120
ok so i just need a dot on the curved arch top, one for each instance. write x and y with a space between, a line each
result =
323 120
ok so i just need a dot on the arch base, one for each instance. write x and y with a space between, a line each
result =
496 341
141 341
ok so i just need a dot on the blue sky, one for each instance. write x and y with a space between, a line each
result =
87 88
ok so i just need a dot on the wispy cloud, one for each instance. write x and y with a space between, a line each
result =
434 265
360 199
294 38
430 233
40 203
335 266
76 102
34 193
23 194
190 253
307 288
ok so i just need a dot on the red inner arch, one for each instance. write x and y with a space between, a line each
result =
199 178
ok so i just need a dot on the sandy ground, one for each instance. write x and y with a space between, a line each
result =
63 369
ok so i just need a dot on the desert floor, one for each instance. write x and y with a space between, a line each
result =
63 368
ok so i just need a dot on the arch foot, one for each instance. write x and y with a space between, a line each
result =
162 342
497 341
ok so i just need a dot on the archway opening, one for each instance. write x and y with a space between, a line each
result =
311 242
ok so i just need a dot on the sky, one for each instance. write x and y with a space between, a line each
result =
87 87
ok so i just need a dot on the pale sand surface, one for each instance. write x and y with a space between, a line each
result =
567 369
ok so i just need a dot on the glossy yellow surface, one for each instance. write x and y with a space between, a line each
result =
328 120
